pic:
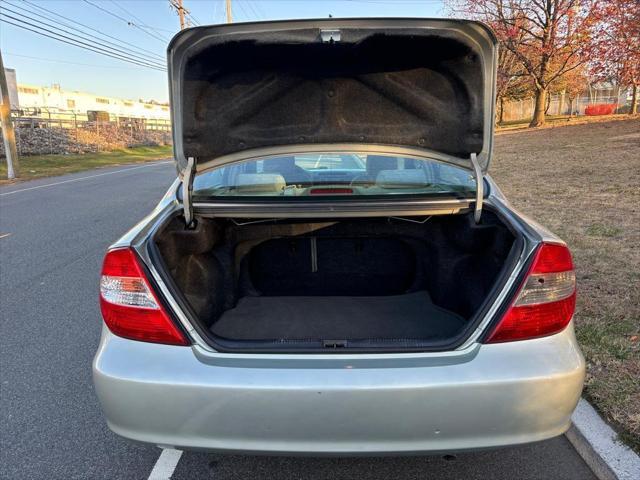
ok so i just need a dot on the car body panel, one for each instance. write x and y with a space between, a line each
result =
486 396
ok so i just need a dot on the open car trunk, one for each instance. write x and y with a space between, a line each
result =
368 284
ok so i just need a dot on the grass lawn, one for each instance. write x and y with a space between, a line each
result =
583 183
563 120
49 165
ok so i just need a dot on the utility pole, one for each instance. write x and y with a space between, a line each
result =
177 4
228 5
181 13
8 135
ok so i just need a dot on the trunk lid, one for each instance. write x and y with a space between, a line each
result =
411 86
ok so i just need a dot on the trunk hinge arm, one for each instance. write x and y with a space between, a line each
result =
477 173
187 193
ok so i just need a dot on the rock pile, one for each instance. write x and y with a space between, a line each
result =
90 137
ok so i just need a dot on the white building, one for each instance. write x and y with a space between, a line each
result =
54 99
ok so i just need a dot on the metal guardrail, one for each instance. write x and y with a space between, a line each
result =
54 118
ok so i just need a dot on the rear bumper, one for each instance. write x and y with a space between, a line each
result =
488 396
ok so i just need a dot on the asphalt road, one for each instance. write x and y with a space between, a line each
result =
53 233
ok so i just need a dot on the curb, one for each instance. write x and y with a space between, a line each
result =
597 443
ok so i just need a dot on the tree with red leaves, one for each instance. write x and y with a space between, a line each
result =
616 45
549 38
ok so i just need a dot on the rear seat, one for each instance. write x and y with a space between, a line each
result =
259 183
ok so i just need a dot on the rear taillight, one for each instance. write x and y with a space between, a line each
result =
545 301
129 306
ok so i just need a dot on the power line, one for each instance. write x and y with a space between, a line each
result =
141 22
253 10
244 12
74 42
215 12
71 41
128 22
194 20
66 62
55 14
259 9
92 38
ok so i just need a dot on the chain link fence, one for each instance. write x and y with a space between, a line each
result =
515 110
44 131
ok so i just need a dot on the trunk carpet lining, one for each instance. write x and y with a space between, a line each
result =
407 316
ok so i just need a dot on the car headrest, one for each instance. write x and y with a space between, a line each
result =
401 179
259 183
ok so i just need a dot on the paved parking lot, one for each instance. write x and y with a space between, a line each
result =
53 233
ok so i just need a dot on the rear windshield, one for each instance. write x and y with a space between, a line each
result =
334 174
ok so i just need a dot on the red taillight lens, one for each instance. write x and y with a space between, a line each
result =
129 306
546 300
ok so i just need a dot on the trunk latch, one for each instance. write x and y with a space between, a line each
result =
330 36
334 343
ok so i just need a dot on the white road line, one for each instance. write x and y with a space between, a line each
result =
82 178
4 235
166 464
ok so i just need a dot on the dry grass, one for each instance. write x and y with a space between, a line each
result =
553 121
583 183
37 166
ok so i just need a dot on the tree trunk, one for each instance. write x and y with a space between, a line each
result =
571 106
538 113
547 105
634 101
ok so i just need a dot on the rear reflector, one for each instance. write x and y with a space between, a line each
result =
545 301
129 306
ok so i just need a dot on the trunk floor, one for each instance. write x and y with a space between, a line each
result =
408 316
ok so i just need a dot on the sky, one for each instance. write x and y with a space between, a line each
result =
43 61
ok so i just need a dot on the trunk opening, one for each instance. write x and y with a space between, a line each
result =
365 284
